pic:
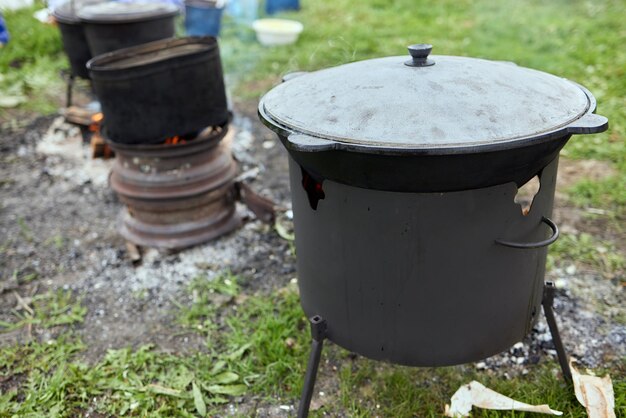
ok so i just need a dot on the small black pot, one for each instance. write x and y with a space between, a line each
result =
161 89
73 38
112 26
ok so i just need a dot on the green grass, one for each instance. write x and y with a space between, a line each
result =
43 378
368 388
583 249
125 383
250 353
31 62
48 310
207 296
608 193
259 347
277 332
269 327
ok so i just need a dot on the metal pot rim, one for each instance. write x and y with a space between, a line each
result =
161 50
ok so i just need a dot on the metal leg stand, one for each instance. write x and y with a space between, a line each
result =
70 87
547 302
318 333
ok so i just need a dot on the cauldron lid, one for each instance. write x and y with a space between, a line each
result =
440 105
66 12
126 12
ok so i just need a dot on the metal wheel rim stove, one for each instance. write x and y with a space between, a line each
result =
176 196
408 237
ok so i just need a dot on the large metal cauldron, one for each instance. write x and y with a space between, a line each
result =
403 175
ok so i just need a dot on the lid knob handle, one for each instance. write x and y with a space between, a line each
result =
419 54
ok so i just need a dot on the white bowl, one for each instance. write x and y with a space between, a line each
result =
277 31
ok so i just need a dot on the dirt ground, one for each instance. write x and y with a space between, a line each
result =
58 220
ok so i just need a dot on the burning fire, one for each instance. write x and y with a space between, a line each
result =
175 140
96 121
98 146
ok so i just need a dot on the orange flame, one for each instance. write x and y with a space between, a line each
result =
96 121
174 140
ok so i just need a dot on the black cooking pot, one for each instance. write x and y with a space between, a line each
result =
161 89
73 36
403 175
115 25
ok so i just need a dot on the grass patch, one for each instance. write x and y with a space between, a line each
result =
252 353
48 310
369 388
207 296
38 380
258 347
609 193
276 330
583 249
125 383
31 62
272 329
43 378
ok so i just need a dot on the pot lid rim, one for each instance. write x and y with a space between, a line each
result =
63 12
459 145
289 133
67 18
157 10
584 104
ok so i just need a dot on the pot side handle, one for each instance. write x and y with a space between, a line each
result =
306 143
588 124
531 245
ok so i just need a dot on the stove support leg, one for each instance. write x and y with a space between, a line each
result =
547 302
318 333
70 87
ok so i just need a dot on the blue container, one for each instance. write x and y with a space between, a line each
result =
274 6
202 19
4 32
243 11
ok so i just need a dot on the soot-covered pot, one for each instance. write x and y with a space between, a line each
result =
73 35
160 89
113 25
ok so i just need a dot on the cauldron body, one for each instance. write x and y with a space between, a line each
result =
418 278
